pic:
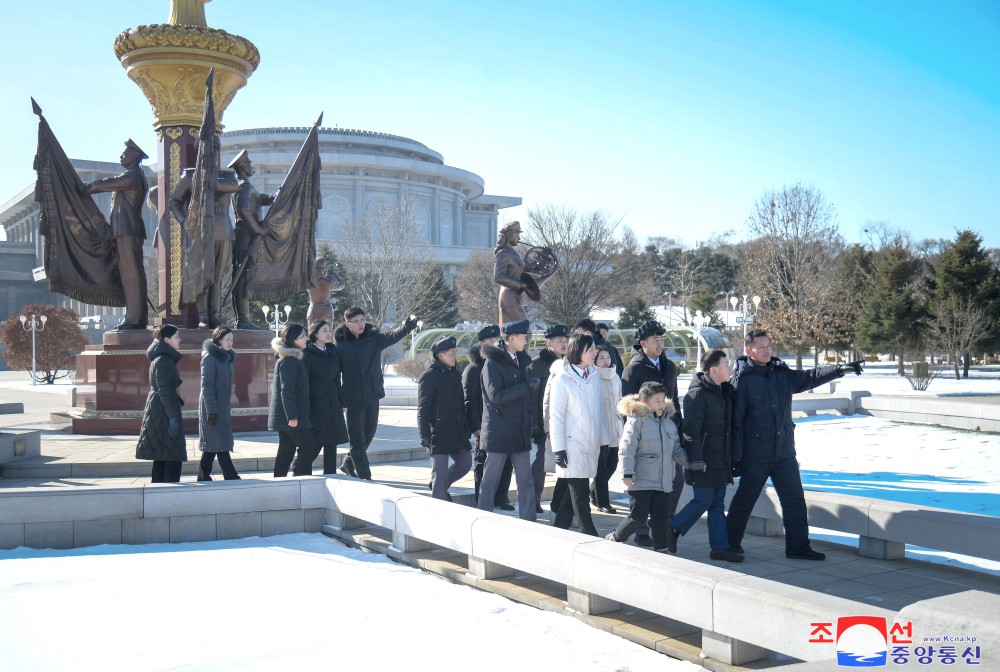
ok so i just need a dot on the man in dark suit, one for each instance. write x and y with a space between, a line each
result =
129 190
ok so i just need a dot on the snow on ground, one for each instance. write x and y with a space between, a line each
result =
277 603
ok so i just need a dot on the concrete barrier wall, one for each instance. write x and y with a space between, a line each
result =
934 411
159 513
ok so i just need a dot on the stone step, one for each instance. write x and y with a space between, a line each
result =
47 467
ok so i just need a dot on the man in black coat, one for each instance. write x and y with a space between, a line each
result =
441 417
708 412
764 440
556 341
650 364
360 347
506 425
473 392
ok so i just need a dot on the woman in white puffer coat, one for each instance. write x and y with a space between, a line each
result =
576 429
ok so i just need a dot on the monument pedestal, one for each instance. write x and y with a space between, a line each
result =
112 381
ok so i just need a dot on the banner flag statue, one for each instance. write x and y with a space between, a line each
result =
80 259
283 259
199 244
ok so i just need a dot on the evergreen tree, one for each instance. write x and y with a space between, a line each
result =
892 318
634 313
964 274
433 300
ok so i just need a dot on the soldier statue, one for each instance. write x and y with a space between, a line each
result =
128 193
247 202
210 302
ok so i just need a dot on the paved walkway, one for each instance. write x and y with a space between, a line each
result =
73 461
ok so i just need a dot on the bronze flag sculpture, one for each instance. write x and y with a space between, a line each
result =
282 260
80 258
200 202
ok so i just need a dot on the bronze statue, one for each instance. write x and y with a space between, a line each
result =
516 276
247 202
223 183
128 193
320 307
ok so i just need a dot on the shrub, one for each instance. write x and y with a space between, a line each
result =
413 367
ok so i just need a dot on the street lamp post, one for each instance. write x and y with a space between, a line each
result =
734 301
413 339
35 326
670 308
697 323
276 321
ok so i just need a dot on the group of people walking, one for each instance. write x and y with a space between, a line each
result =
570 406
321 375
573 409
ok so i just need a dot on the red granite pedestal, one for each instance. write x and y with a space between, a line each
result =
112 381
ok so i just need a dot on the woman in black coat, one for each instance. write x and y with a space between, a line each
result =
215 422
289 411
161 438
325 411
441 416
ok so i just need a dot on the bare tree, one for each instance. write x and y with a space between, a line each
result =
477 293
957 327
381 253
792 264
587 245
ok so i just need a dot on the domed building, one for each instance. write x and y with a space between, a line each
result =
364 171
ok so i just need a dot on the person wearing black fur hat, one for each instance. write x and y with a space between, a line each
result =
289 412
649 364
360 346
441 418
472 388
322 362
161 437
215 422
556 341
506 427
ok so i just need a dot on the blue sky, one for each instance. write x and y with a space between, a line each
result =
674 116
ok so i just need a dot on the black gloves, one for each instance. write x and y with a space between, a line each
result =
562 460
411 322
533 383
212 418
737 469
426 445
538 438
173 426
851 366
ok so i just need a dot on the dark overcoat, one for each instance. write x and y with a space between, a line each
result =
708 413
506 424
640 370
361 362
540 368
325 409
441 411
763 430
472 387
162 403
216 393
289 391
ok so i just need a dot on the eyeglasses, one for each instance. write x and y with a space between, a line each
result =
357 320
